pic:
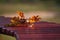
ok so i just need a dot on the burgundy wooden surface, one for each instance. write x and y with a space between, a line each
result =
40 31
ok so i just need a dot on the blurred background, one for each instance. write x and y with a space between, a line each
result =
6 37
49 10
